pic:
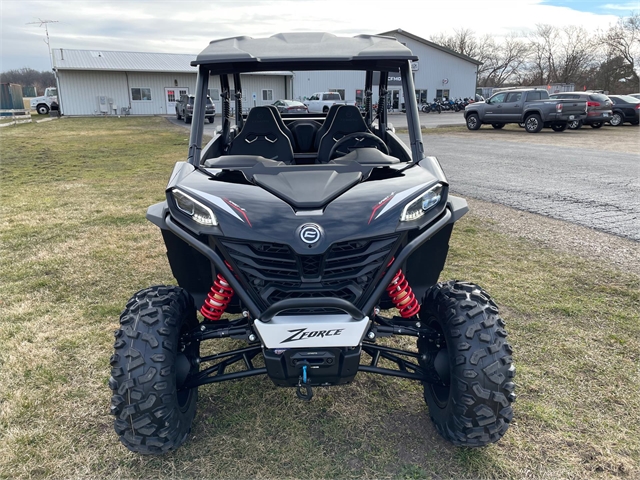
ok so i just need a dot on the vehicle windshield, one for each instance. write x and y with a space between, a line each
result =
598 97
52 92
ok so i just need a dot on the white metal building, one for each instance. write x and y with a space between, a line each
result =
108 82
439 72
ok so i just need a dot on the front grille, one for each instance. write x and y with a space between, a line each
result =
275 272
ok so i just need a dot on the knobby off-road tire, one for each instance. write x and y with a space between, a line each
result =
152 415
473 407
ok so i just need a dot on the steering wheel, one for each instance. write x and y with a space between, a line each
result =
350 142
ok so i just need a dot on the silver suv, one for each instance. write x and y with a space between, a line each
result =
598 108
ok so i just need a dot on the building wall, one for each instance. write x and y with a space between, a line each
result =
80 90
433 67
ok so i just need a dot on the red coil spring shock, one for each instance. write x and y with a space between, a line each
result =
217 299
402 296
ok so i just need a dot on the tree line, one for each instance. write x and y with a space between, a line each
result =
604 60
28 76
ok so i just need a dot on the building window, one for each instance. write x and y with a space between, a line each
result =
421 97
214 93
441 94
267 95
141 94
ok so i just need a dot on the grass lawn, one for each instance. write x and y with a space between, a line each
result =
75 245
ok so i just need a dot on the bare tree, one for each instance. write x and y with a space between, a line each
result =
29 76
503 61
500 61
623 40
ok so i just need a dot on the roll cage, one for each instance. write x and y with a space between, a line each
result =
304 52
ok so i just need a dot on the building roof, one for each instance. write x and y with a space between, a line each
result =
104 60
399 31
67 59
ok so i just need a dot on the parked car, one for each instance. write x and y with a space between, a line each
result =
626 108
531 107
635 95
290 106
321 102
598 108
184 108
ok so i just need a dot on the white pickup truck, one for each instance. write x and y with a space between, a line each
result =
49 101
321 102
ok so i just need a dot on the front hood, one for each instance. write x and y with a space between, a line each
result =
355 208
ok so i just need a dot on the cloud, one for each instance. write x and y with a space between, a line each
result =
187 26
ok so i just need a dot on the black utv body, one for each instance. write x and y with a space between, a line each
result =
301 230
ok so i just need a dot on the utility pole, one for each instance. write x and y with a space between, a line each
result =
40 23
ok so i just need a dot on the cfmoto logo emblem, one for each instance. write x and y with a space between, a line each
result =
310 233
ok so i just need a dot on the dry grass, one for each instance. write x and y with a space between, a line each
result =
75 246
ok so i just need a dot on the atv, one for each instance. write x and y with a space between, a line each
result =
297 234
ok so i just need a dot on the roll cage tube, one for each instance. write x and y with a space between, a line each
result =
237 86
411 107
368 93
382 105
197 123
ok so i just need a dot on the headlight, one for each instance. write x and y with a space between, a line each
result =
197 211
425 202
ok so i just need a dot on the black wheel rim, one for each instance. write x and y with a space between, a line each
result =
441 392
185 367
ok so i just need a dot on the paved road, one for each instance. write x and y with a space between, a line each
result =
592 188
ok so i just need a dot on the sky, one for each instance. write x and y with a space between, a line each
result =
188 26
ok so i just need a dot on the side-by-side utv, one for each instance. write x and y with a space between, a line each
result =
295 233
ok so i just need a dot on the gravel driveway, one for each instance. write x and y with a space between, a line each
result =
590 186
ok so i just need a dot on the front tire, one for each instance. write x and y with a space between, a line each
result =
533 123
153 413
42 109
472 406
473 121
212 119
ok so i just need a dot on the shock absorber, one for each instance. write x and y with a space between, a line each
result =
217 299
402 296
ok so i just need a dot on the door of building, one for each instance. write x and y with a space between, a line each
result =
393 99
171 95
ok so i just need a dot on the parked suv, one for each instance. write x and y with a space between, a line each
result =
625 109
598 108
184 108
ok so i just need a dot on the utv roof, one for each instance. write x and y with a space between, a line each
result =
304 51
